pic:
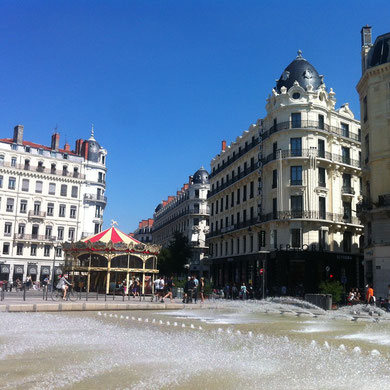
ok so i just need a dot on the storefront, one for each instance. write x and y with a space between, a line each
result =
4 272
32 270
18 273
45 272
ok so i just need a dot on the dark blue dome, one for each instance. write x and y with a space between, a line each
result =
302 71
201 176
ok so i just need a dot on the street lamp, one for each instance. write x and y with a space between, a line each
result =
263 257
54 261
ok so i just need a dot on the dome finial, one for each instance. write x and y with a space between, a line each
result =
92 137
299 53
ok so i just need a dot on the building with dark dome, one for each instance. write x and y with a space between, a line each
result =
374 209
186 212
283 196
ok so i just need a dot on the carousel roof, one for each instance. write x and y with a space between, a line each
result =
112 234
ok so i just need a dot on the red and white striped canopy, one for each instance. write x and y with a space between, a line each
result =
112 234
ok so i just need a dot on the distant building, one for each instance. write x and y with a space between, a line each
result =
284 194
374 93
48 195
144 231
188 213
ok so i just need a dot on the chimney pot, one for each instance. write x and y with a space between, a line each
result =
55 141
223 145
18 134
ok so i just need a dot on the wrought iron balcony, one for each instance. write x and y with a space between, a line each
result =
347 190
33 237
95 198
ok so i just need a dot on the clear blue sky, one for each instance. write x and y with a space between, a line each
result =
165 81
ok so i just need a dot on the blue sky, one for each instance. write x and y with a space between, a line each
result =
164 82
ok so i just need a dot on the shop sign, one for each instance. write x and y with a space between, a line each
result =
304 247
4 269
32 271
45 270
18 269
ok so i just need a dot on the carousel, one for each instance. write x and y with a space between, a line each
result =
110 258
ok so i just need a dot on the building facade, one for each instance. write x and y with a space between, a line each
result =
374 93
308 185
48 195
188 213
144 231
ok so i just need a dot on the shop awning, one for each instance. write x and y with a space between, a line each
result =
32 269
4 268
19 269
45 270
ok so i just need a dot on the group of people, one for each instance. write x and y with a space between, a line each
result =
18 284
233 292
354 297
163 288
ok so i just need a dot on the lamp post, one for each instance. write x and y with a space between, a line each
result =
263 257
54 261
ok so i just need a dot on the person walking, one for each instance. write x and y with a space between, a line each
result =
191 286
243 291
169 287
195 289
185 290
202 285
156 285
161 288
370 298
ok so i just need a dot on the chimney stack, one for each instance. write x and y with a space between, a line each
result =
18 134
67 147
79 144
223 145
55 141
366 37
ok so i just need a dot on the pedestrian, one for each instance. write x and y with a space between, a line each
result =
243 291
195 289
161 287
185 290
370 298
156 285
169 286
202 285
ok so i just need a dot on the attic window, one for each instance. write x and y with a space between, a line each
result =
296 95
65 156
40 151
28 149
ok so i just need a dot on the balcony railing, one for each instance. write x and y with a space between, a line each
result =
347 190
304 214
307 124
234 179
36 214
235 158
234 227
95 198
34 237
311 153
41 169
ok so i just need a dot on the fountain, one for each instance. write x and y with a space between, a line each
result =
247 343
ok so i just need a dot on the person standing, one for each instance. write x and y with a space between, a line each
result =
195 289
161 288
185 290
243 291
156 285
191 286
169 287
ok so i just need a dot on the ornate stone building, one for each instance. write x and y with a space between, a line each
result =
188 213
308 178
48 195
374 93
144 231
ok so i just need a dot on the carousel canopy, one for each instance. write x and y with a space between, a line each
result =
112 234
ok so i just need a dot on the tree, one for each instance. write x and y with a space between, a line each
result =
172 260
333 287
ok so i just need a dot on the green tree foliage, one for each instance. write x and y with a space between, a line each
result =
171 260
334 287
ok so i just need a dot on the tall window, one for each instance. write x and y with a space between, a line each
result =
252 190
1 160
64 190
7 228
216 206
25 184
226 202
244 193
11 183
75 192
6 248
52 188
13 162
46 250
321 177
19 249
323 238
232 199
347 241
50 209
274 208
296 147
347 183
321 148
296 238
1 181
37 208
238 196
321 122
322 207
345 154
344 129
23 206
275 238
21 229
274 178
365 111
62 210
296 206
296 175
347 212
33 250
48 232
60 233
274 150
38 187
10 205
296 120
71 234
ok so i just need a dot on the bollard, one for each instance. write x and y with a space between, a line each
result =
24 293
2 294
128 296
123 296
143 296
47 290
43 297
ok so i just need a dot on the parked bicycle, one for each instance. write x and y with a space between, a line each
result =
58 294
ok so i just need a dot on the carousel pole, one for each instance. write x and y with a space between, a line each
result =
89 274
127 273
108 275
